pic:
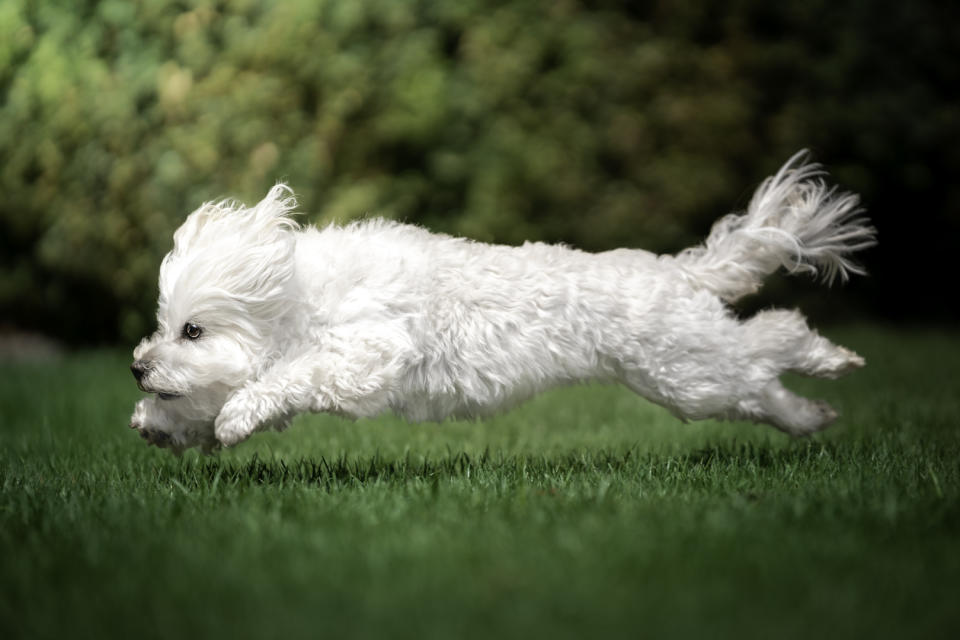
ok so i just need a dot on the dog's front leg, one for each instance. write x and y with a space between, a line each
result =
272 399
353 374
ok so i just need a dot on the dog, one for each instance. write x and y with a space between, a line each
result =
261 319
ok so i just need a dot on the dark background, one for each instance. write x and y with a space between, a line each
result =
600 124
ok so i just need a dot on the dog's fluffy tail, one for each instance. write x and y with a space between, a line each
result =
794 221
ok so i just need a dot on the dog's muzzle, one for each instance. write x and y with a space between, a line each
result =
139 369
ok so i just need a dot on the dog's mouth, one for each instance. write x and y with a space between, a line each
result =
163 395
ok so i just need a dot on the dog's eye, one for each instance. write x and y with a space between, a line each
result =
192 331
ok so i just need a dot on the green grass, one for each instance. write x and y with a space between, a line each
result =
586 512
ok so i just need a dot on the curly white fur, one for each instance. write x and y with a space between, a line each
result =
378 316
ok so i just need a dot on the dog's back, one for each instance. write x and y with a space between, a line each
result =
488 326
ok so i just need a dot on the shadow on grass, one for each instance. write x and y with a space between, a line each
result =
345 472
759 456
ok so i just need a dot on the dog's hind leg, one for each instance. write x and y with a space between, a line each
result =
787 411
779 341
783 338
731 370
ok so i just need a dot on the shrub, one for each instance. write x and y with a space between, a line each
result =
592 123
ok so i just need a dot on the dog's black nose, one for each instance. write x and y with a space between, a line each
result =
138 369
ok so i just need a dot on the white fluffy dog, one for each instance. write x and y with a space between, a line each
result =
260 319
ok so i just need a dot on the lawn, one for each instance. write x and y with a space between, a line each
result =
585 513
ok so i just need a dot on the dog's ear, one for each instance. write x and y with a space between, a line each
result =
269 215
226 255
189 231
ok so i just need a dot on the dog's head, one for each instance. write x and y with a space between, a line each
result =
224 288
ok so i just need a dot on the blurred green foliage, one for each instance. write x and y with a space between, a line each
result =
597 123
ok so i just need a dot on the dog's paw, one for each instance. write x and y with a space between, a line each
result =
834 361
233 425
145 424
821 416
138 419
